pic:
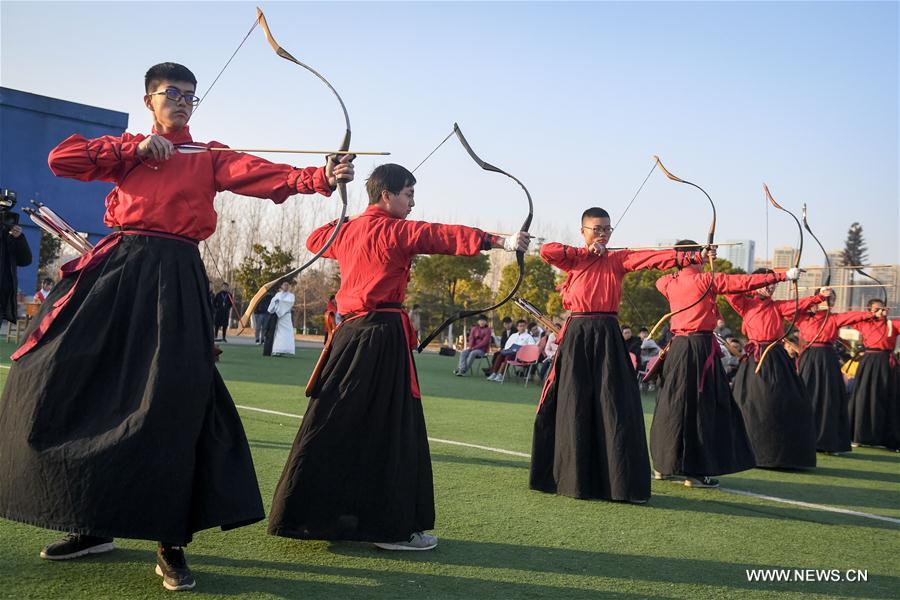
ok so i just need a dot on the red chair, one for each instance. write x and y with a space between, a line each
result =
526 356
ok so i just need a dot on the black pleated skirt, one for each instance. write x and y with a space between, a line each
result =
875 404
820 372
777 412
589 437
697 432
117 423
360 468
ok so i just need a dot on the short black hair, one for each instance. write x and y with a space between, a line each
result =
481 318
507 320
624 327
390 177
643 329
594 212
689 246
521 321
762 271
167 71
532 324
873 301
47 280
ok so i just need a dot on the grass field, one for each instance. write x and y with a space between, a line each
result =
498 539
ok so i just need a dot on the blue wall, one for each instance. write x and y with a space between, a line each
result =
31 126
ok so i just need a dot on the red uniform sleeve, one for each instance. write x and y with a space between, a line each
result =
101 158
850 318
318 238
662 284
420 237
740 302
786 308
562 256
250 175
738 284
635 260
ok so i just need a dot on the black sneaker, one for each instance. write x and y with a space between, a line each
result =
74 545
701 482
171 566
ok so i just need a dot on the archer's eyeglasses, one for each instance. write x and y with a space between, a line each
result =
599 230
174 95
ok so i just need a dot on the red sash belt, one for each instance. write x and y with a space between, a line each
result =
79 266
551 377
755 348
408 332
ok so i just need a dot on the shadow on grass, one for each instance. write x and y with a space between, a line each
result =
818 493
290 579
651 569
859 474
481 462
874 455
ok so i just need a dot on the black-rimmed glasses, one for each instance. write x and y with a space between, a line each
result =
599 230
174 95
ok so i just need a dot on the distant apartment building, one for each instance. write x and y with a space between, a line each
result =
740 257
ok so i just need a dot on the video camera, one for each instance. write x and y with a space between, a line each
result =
8 219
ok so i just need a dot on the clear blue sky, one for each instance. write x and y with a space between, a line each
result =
574 99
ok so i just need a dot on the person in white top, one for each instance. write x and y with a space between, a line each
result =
516 340
280 306
42 293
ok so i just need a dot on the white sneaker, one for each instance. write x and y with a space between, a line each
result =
493 377
417 541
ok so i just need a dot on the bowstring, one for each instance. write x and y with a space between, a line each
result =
233 54
438 147
653 168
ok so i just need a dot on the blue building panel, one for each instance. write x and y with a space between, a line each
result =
31 126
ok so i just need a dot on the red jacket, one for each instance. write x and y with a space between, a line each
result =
810 324
683 288
176 196
594 283
480 338
375 252
879 335
763 317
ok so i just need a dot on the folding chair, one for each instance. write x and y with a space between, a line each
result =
526 356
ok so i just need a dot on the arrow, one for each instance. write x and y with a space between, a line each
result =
197 148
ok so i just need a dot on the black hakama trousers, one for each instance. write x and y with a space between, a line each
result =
777 412
589 437
820 372
697 430
117 422
360 468
875 404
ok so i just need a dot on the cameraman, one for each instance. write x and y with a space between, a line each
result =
14 252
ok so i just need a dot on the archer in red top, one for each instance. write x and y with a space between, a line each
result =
360 467
875 404
764 317
821 326
125 335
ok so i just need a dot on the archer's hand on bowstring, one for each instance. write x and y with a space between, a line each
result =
340 171
597 248
156 147
517 242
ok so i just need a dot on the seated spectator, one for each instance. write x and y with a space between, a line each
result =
649 348
480 338
632 344
722 329
550 349
535 330
731 359
515 341
501 341
42 293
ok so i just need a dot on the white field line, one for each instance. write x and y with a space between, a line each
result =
811 505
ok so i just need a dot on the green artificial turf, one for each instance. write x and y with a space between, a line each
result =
498 539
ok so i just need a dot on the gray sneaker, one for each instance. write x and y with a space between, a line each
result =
417 541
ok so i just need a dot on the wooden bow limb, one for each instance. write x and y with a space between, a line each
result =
196 149
532 310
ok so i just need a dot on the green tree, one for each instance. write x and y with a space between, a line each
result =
538 287
443 284
261 266
47 255
855 252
